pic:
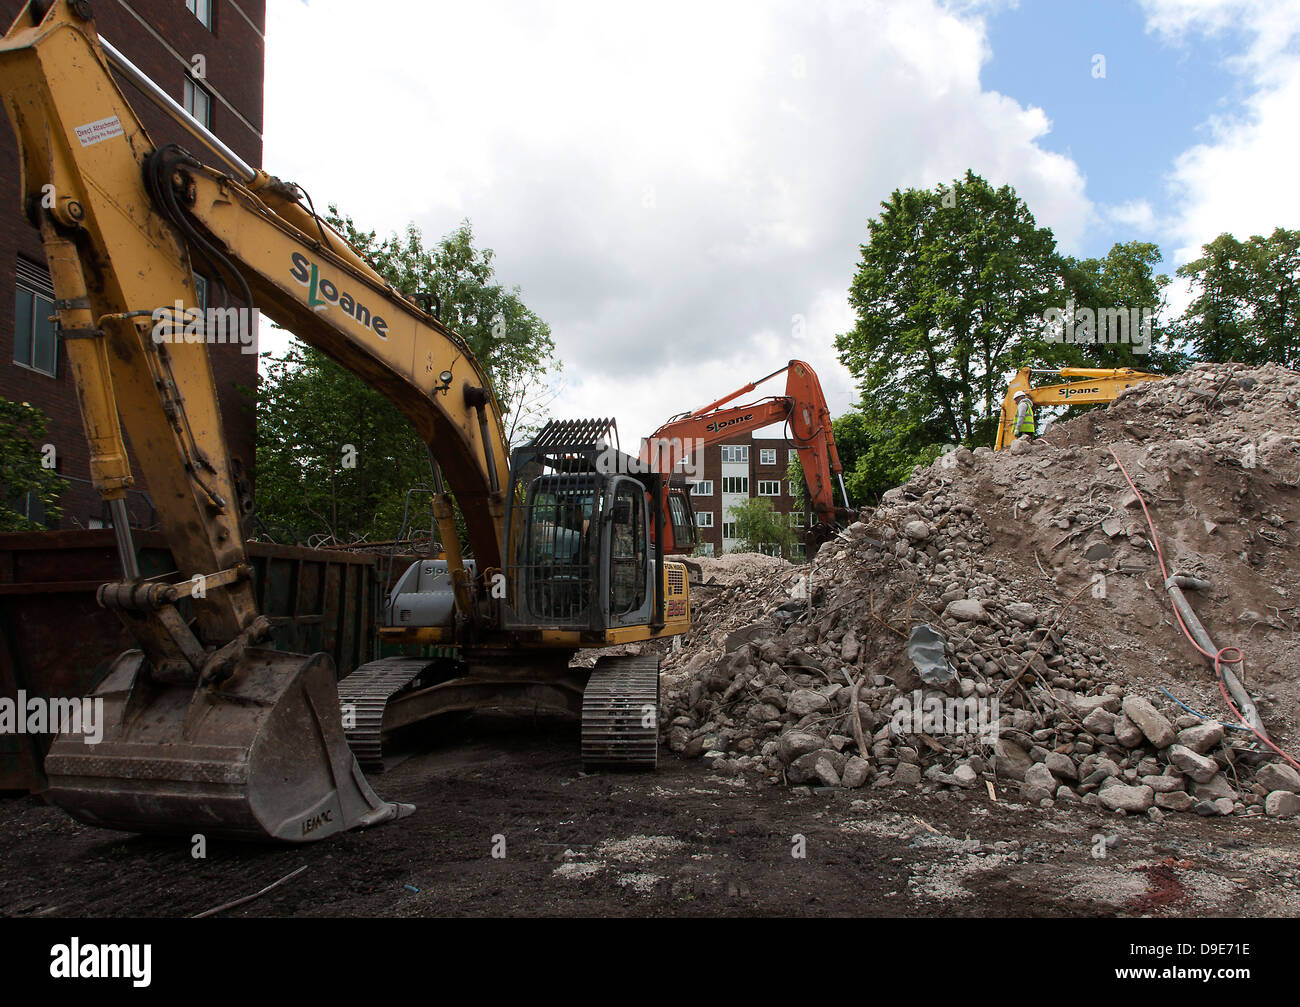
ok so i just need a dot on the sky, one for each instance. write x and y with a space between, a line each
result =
680 190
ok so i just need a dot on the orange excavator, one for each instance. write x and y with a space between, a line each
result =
806 416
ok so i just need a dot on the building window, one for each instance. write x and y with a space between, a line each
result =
798 519
36 336
31 506
703 488
735 484
793 455
728 529
201 9
704 549
769 487
738 453
198 103
704 519
767 456
798 551
769 548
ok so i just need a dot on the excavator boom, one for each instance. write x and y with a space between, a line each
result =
802 408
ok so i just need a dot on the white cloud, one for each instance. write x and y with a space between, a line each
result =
1242 178
1270 26
1135 214
669 185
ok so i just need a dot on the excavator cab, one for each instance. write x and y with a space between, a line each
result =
584 523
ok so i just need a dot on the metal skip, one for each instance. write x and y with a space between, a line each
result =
262 757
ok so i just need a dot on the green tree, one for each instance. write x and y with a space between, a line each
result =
23 471
883 449
798 484
949 296
507 337
873 457
335 458
757 525
1246 303
1124 279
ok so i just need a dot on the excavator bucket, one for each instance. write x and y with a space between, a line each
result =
261 757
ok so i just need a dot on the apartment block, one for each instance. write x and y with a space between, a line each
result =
741 470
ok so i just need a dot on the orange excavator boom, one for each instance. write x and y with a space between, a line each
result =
802 408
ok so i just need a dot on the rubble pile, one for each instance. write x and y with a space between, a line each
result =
1000 621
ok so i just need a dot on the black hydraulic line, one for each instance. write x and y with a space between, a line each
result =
660 601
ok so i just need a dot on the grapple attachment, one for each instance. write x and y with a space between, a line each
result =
263 756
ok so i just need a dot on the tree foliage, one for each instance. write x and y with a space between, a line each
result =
23 470
1246 304
334 457
879 450
951 295
507 337
758 525
1125 278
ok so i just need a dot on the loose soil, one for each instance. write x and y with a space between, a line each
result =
680 841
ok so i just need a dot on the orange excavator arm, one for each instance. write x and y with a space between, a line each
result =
802 408
1100 384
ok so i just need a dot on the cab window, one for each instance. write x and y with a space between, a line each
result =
628 545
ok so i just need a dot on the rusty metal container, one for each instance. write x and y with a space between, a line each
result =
55 641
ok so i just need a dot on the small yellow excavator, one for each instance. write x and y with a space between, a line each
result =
206 728
1101 385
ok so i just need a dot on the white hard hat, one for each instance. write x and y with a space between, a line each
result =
1021 394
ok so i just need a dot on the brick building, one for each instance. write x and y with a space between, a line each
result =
161 37
733 473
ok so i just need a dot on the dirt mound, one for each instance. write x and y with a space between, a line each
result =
1002 619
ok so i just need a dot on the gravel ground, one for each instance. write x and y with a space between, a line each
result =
679 841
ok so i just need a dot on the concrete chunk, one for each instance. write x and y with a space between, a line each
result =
1150 721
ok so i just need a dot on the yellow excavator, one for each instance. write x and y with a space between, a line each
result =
1101 384
206 727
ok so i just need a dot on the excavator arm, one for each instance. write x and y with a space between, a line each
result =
204 727
803 408
123 224
1101 384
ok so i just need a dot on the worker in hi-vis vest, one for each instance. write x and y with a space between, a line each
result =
1024 415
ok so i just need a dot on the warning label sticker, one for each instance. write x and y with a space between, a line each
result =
101 129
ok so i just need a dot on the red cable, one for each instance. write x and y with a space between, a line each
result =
1216 657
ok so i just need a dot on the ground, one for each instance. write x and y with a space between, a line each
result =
677 842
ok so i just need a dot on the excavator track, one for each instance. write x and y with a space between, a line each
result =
620 714
363 696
